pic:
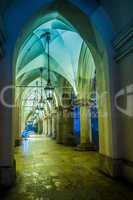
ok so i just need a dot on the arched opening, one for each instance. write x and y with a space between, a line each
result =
94 44
77 68
91 48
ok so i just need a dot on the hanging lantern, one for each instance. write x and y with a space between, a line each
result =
37 110
34 116
49 89
41 104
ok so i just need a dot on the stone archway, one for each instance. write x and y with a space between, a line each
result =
102 59
99 44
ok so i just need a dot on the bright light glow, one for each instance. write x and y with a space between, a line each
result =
65 52
65 46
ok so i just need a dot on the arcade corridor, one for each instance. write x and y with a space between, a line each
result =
66 99
48 171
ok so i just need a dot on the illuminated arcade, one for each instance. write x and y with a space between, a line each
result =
66 100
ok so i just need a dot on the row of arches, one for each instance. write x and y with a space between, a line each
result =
92 34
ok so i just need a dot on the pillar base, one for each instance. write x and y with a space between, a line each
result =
59 138
59 141
53 137
109 166
7 176
18 142
69 140
86 147
49 135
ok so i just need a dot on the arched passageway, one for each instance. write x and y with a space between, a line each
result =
81 71
72 74
73 65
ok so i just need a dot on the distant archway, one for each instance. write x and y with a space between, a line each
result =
99 49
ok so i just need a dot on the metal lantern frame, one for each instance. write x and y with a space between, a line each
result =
49 89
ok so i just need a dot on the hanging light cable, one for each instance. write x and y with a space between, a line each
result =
49 89
42 102
37 107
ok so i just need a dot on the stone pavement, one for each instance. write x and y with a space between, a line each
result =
48 171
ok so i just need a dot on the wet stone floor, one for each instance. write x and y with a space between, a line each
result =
48 171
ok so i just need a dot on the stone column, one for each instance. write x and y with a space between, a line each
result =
59 126
53 125
49 126
68 132
7 135
17 126
45 126
85 128
40 126
56 123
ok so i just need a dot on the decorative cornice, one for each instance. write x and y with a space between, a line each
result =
123 44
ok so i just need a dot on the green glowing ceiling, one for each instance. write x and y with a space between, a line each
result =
65 46
65 51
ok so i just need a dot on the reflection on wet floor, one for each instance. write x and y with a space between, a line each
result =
48 171
26 143
25 146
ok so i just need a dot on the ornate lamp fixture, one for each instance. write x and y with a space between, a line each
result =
39 103
49 89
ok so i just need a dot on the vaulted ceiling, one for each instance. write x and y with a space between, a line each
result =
65 47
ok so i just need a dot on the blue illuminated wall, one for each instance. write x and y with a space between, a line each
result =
94 126
94 116
77 123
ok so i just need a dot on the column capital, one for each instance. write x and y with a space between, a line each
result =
83 102
65 108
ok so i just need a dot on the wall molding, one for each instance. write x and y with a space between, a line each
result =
123 43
